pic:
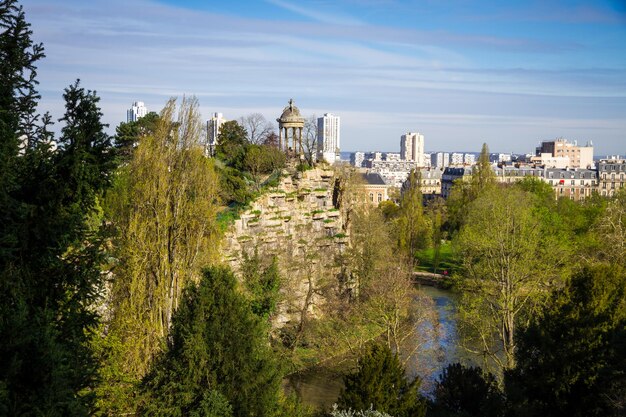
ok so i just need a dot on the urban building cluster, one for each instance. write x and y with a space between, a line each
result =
568 168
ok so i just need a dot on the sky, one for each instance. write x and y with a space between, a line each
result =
508 73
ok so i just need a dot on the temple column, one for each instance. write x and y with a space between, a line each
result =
280 139
300 138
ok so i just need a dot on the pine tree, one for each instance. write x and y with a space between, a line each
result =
49 256
217 344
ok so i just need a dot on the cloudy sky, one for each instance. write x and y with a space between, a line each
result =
509 73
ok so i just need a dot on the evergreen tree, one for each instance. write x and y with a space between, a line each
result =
380 383
217 344
231 143
571 360
128 134
466 392
49 256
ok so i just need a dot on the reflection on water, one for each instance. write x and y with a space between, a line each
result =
318 387
438 347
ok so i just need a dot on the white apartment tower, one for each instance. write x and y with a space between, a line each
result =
136 112
412 147
213 130
328 137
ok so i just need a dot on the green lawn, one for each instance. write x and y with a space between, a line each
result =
447 260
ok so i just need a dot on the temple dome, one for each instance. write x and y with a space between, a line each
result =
291 114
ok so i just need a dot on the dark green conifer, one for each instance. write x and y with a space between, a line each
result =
217 344
380 383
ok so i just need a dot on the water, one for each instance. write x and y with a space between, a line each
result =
320 388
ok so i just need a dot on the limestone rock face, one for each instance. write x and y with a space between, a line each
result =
298 223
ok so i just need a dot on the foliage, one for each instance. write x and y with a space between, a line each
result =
127 134
482 173
336 412
509 262
262 159
414 230
610 231
217 344
263 284
231 143
380 383
570 359
167 230
466 392
463 192
49 255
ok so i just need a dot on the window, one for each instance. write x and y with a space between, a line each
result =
380 197
572 182
372 197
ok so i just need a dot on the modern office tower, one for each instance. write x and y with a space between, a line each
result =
136 112
213 130
412 147
440 160
328 137
579 156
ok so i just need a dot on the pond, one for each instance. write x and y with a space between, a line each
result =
320 388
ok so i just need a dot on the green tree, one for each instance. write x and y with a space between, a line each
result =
482 173
262 159
166 218
571 358
231 143
380 383
413 227
128 134
610 231
49 254
217 344
263 284
465 192
466 392
509 262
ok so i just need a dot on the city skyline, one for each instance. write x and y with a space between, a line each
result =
459 73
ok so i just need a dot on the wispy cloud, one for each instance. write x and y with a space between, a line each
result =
382 79
331 17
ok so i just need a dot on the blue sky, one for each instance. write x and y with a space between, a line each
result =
460 72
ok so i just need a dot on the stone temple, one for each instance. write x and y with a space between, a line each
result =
290 125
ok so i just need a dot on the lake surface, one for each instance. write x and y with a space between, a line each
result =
320 388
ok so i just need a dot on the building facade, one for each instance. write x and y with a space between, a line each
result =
328 137
136 112
374 188
440 160
412 147
213 130
611 175
578 156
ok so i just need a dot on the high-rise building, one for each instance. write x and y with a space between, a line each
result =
457 158
440 159
412 147
213 130
136 112
328 137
